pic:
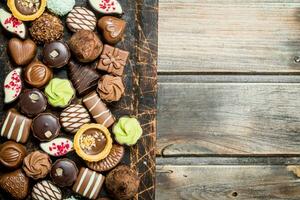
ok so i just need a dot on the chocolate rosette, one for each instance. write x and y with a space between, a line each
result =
37 165
110 88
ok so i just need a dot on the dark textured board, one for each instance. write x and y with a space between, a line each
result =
141 89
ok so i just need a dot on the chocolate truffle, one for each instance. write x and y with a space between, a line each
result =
88 183
113 60
46 190
81 18
112 28
122 183
64 172
73 117
110 88
32 102
22 52
46 29
98 110
85 45
12 154
37 74
112 160
37 165
56 54
15 183
16 127
84 78
45 127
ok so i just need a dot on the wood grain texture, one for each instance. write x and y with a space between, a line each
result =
202 119
233 36
209 182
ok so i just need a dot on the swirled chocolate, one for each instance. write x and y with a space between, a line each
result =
37 74
37 165
110 88
12 154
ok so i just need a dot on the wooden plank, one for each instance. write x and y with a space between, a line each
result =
227 182
196 119
235 36
140 78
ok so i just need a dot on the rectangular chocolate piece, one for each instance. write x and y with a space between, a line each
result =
88 183
16 127
98 110
113 60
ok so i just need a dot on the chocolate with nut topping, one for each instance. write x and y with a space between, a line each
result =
92 141
27 7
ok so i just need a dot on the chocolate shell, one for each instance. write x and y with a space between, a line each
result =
12 154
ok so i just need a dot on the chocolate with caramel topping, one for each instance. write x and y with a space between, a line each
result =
27 7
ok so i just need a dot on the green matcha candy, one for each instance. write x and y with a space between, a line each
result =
59 92
127 131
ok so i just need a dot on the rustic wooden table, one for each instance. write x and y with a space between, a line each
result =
228 100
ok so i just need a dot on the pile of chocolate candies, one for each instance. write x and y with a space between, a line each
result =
87 123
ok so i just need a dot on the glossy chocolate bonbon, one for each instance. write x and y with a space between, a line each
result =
56 54
32 102
64 172
12 154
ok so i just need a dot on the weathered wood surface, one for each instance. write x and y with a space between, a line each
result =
141 87
207 182
228 119
232 36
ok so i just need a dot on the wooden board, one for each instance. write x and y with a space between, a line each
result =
202 119
182 182
232 36
140 80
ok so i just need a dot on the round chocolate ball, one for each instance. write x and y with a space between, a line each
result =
37 74
45 127
64 172
56 54
32 102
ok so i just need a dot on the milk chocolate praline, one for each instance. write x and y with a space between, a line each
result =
37 74
85 45
56 54
32 102
45 127
12 154
64 172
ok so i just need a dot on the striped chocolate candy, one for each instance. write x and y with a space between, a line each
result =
16 127
81 18
88 183
98 109
46 190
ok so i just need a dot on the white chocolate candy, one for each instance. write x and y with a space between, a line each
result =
12 24
106 6
57 147
12 85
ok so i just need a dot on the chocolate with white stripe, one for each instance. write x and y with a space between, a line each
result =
16 127
88 183
98 109
46 190
81 18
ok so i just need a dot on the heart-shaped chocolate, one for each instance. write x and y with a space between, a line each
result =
112 28
22 52
15 183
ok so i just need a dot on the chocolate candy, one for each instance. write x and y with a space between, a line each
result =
106 6
22 52
84 78
37 74
46 190
113 60
112 160
12 86
110 88
37 165
15 183
27 10
88 183
112 28
12 24
12 154
16 127
64 172
73 117
57 147
56 54
32 102
98 109
80 18
85 45
45 127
